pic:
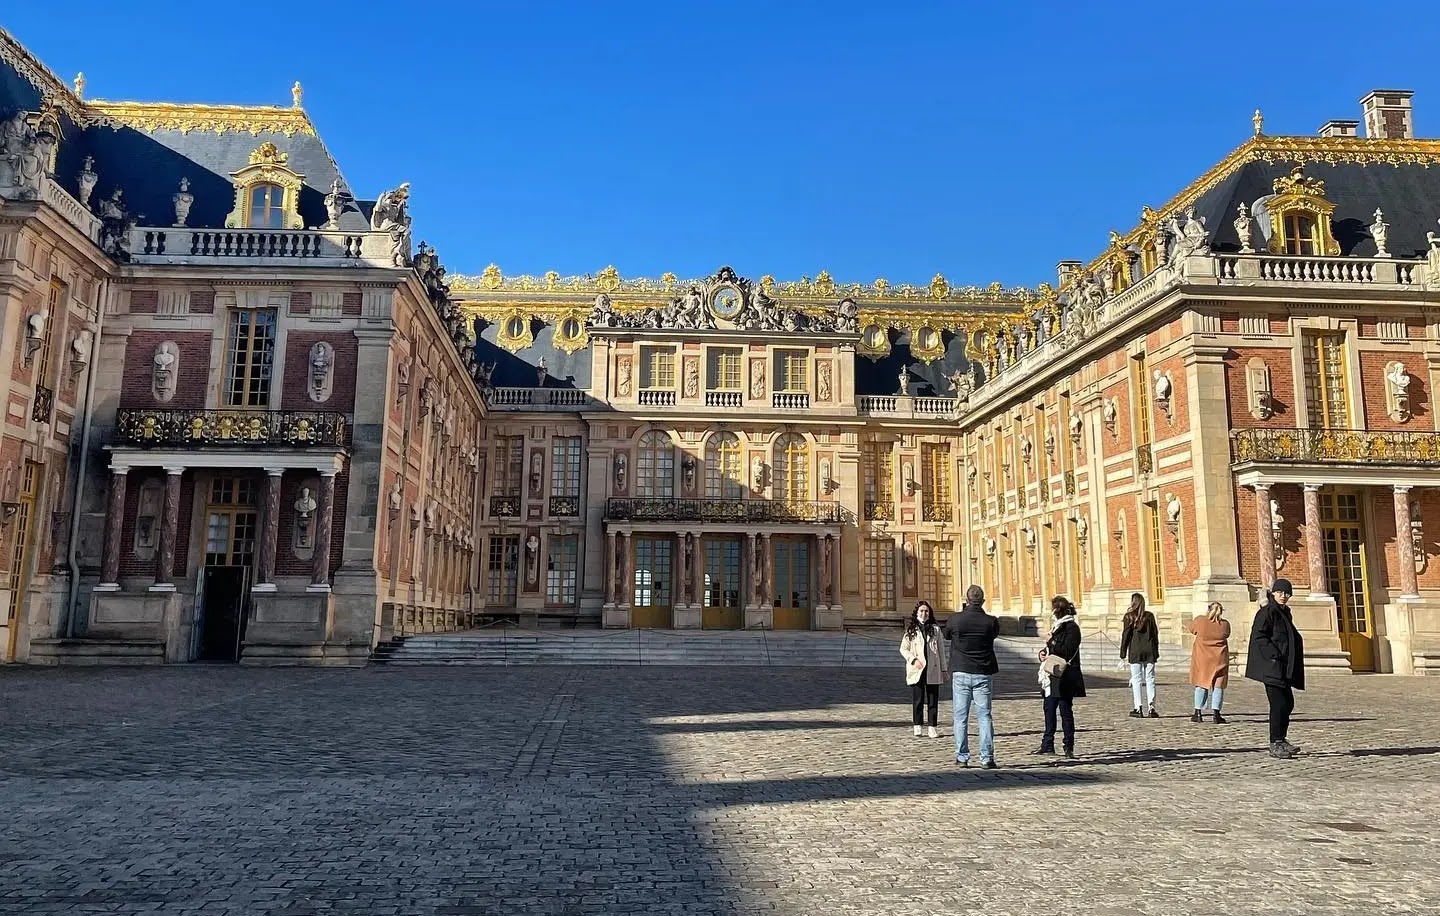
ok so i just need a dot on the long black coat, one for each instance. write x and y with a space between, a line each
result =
1065 642
1277 653
1140 641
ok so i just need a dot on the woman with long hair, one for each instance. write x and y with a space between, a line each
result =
1140 646
1061 679
1210 661
924 666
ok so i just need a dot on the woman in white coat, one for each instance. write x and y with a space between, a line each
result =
924 651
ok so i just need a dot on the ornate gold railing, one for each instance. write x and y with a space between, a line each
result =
1144 460
148 428
1337 446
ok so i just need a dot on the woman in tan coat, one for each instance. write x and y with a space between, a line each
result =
924 651
1210 661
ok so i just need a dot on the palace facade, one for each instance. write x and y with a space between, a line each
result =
247 418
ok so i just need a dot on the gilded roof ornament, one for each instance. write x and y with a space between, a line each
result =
296 94
1259 121
268 153
491 278
939 289
1297 183
219 119
79 86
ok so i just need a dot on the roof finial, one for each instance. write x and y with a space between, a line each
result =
79 85
1259 121
296 93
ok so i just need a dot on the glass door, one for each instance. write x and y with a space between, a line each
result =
651 602
722 584
792 583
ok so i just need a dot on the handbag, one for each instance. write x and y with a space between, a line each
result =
1054 665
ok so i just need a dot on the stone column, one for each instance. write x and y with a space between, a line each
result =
1264 538
269 532
624 587
1404 547
767 575
835 593
1314 543
324 512
609 577
752 569
114 525
169 526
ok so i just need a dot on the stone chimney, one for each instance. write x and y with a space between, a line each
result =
1340 129
1388 114
1067 269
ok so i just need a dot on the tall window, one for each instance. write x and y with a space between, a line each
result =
560 567
937 579
791 472
250 358
722 372
509 466
21 545
655 470
935 480
879 578
1326 394
657 368
565 466
55 311
231 522
1042 458
267 206
791 370
722 467
722 572
1139 384
652 572
502 571
1300 235
1156 558
878 475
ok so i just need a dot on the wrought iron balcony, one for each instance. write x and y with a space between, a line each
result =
149 428
1144 460
44 404
937 512
1336 446
622 509
564 506
505 506
1069 483
879 510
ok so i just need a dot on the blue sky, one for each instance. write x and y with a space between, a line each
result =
900 139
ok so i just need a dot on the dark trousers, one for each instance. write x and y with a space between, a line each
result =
1065 706
924 697
1282 704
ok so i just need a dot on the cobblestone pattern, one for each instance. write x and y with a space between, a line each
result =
704 791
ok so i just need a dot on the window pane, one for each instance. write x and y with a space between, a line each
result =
560 570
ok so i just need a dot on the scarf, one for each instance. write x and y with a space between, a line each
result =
1060 622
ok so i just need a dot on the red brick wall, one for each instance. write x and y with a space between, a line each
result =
350 305
296 394
137 388
1282 384
1292 508
144 301
1384 562
286 562
300 303
1179 419
202 302
1372 388
1118 442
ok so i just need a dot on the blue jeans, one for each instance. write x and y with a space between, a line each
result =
1216 695
1142 684
968 689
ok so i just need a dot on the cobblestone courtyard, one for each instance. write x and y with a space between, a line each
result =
700 791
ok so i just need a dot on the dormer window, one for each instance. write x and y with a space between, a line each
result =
267 206
1299 217
267 192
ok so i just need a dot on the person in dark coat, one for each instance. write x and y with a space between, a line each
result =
1140 646
1277 660
973 666
1060 692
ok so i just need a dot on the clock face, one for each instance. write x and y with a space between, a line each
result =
725 302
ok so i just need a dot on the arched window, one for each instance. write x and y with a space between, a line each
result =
791 471
267 210
655 473
722 468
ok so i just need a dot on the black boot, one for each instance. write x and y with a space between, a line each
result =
1219 719
1069 752
1044 749
1196 716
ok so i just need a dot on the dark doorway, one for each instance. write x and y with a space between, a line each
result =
225 591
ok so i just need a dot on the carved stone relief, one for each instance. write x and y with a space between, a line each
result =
824 387
757 379
322 372
624 374
165 370
1257 389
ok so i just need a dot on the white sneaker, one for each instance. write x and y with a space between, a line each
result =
917 731
933 732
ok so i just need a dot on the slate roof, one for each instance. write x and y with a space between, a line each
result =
1408 194
149 163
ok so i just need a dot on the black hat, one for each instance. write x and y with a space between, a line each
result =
1282 587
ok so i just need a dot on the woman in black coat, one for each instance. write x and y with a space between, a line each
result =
1060 692
1277 660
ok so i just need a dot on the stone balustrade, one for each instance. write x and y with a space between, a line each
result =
906 407
70 208
315 247
541 399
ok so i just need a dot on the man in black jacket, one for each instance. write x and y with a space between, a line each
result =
1277 660
972 635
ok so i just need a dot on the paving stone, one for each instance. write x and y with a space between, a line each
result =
698 791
